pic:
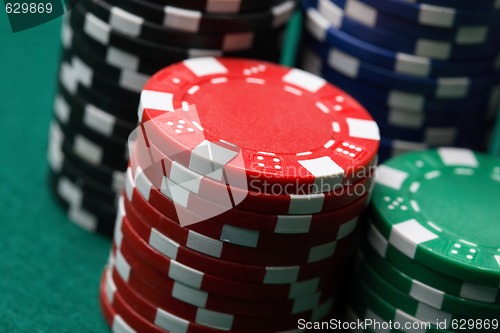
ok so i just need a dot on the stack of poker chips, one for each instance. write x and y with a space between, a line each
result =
111 48
432 250
240 210
427 70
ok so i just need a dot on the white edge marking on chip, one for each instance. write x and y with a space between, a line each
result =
361 12
130 185
133 81
479 293
304 80
312 203
433 49
390 177
363 129
303 288
223 6
456 87
406 236
98 120
84 74
321 252
205 66
245 237
157 100
436 16
427 294
279 275
347 228
413 65
182 19
325 171
122 266
377 241
122 59
316 24
69 192
428 313
169 322
96 28
281 13
204 244
117 232
320 312
185 274
82 218
458 156
219 320
329 12
402 318
293 224
162 244
125 22
471 35
61 109
88 150
66 35
343 63
306 303
120 326
407 101
110 284
190 295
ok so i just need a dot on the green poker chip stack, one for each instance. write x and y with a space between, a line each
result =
432 248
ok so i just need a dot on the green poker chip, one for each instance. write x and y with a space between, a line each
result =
408 293
378 250
442 208
367 304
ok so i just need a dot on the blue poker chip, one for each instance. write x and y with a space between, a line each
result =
395 97
419 120
435 136
405 64
323 17
372 16
463 4
394 147
435 16
444 88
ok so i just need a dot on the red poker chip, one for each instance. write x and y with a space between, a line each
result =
227 251
219 286
154 308
228 192
258 120
238 307
187 212
126 235
127 319
241 236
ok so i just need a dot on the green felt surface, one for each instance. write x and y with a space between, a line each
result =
49 268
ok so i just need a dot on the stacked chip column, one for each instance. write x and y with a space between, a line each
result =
427 70
430 256
110 49
240 210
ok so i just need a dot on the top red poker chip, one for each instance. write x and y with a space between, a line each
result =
264 122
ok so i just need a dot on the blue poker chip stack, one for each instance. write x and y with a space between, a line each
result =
110 49
427 70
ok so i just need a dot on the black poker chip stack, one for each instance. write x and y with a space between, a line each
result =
110 49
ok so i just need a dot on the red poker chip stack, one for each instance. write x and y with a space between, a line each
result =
245 183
